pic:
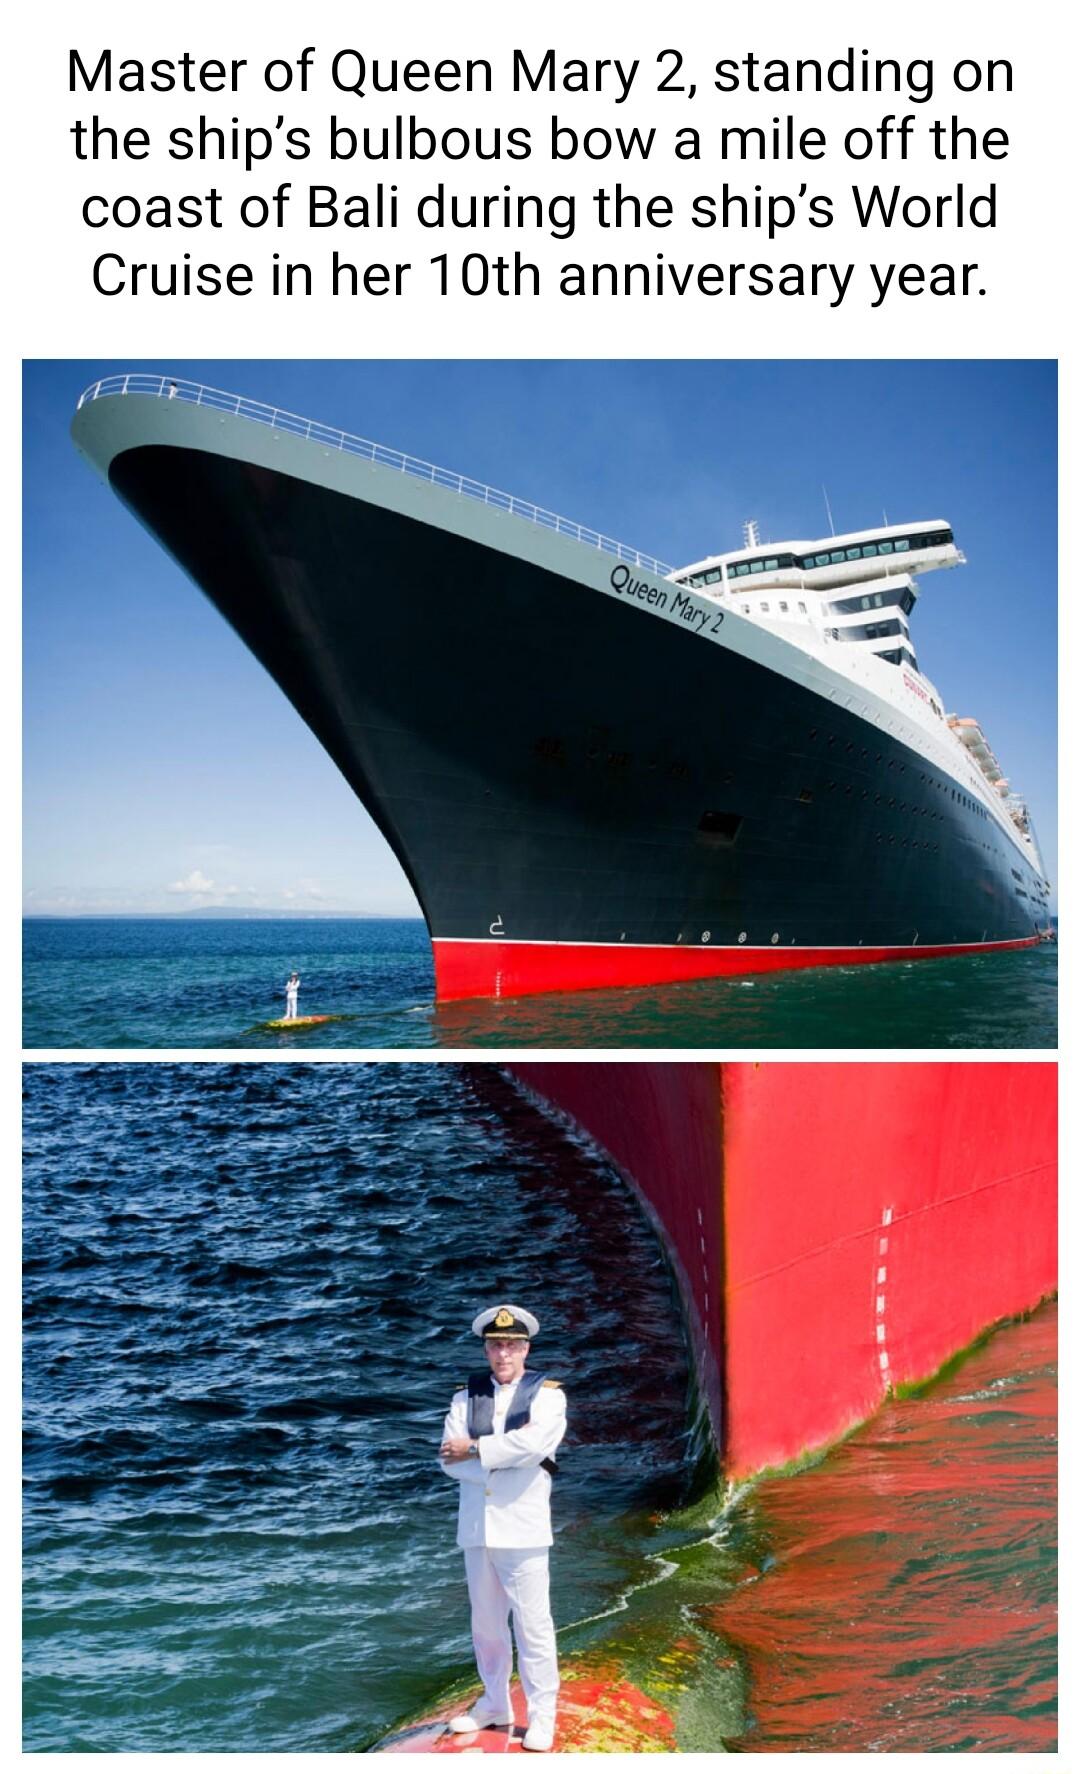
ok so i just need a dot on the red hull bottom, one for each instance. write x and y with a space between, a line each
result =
521 969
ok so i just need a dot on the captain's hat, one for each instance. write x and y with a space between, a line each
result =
505 1321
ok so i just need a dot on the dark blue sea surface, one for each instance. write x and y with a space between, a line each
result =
214 983
248 1296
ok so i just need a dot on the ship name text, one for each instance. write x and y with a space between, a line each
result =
680 605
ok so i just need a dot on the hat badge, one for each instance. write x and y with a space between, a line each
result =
503 1319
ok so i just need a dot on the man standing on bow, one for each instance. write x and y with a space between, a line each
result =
292 992
499 1441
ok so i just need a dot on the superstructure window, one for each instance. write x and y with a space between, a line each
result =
875 600
771 563
870 631
889 545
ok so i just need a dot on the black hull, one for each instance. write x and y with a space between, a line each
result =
550 764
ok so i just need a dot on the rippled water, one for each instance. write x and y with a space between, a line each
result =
176 983
247 1296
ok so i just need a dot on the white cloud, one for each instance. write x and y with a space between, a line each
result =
196 882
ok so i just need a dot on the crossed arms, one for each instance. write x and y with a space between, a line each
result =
537 1441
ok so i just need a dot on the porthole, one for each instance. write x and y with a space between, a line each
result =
742 935
775 936
705 935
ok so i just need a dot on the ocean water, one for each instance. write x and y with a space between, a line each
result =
247 1296
212 983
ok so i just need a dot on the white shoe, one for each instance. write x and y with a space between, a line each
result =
540 1734
478 1720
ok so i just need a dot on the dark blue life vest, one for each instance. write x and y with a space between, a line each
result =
482 1406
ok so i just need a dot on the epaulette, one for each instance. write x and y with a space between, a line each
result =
552 1382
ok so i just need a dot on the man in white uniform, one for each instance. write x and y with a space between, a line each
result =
292 991
499 1439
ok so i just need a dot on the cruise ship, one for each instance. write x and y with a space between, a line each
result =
594 768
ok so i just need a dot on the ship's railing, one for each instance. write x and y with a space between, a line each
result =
197 394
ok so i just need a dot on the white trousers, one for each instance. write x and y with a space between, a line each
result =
290 1006
503 1582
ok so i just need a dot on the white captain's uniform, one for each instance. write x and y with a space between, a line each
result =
504 1527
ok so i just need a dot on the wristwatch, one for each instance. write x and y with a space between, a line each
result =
474 1447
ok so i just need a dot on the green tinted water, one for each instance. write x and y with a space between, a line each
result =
175 983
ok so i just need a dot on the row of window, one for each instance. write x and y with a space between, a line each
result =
775 563
876 600
868 550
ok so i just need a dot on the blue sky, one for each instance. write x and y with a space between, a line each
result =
165 771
